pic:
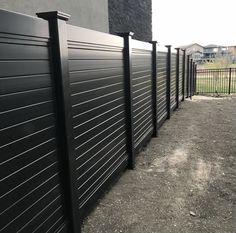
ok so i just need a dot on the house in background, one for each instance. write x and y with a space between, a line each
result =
194 50
211 52
232 51
101 15
208 54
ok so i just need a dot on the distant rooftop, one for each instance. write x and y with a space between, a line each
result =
214 46
206 46
188 46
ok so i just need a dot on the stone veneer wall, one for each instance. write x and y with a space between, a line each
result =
131 15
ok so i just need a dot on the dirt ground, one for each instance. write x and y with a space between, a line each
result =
190 169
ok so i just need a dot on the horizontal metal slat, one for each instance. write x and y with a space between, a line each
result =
84 116
106 174
93 37
141 90
95 102
87 131
49 200
82 87
92 178
24 83
93 54
24 99
26 144
88 76
143 136
14 165
8 119
94 158
79 65
140 68
23 52
52 213
54 217
32 26
97 161
95 145
91 143
139 126
23 67
87 97
29 185
18 178
143 128
12 134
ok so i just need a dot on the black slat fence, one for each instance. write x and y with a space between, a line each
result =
173 83
142 92
76 106
181 75
31 181
161 85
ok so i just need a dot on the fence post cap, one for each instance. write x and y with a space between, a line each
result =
153 42
53 15
125 34
168 46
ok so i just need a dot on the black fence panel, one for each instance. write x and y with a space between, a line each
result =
173 81
76 105
181 71
142 92
187 83
98 110
31 193
161 86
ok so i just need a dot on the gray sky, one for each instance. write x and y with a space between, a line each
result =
182 22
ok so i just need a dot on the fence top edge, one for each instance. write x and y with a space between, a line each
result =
81 34
22 24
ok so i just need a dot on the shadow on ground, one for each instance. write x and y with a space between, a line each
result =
184 181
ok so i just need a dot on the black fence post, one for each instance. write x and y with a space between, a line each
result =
195 79
154 87
188 76
230 75
177 78
60 69
129 96
191 79
168 81
183 74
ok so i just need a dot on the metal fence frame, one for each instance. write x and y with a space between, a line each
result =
57 44
216 81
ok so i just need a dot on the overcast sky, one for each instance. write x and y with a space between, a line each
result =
182 22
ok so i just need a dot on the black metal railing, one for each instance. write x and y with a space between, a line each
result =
216 81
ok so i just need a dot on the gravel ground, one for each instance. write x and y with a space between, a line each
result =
184 180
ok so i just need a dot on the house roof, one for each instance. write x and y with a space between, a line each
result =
214 46
190 45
